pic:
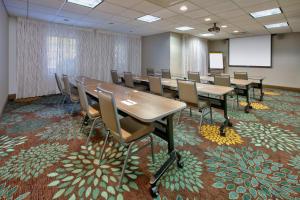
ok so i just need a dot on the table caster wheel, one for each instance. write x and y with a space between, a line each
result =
230 124
154 191
180 164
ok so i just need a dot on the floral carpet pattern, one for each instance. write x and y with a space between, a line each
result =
43 154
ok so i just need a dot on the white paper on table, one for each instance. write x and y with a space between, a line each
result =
128 102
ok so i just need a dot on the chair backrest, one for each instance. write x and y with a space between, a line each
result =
128 79
187 91
223 80
58 82
114 76
67 84
150 72
109 111
155 85
241 75
166 73
194 76
82 96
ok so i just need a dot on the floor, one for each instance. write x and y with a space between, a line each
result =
43 155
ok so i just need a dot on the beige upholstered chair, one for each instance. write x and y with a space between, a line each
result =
187 91
128 78
150 72
194 76
88 111
127 130
61 89
165 73
74 98
241 75
224 80
157 88
115 77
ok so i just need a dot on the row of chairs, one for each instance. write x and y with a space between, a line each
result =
127 130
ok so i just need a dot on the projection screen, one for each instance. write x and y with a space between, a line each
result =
250 51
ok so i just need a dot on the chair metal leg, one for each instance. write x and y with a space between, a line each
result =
201 118
179 117
63 100
82 123
152 148
210 110
91 130
125 163
190 111
103 147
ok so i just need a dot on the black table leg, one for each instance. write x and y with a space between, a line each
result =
174 156
227 121
261 90
248 106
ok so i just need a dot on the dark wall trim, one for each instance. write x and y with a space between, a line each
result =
282 87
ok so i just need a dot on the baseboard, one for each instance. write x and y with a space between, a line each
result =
282 88
2 109
12 97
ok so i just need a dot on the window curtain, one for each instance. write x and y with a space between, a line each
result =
47 48
194 54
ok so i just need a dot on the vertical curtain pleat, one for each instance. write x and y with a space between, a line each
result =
46 48
194 54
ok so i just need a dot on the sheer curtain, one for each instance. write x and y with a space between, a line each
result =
194 54
46 48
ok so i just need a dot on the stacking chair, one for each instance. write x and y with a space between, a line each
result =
224 80
194 76
115 77
165 73
157 88
61 90
73 97
127 130
130 83
150 72
89 112
241 75
187 91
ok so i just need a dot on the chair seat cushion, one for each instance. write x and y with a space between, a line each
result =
140 87
169 94
203 104
74 98
93 111
132 129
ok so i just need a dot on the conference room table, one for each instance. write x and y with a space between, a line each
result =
148 108
203 90
257 83
242 88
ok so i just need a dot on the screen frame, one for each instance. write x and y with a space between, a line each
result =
220 52
252 66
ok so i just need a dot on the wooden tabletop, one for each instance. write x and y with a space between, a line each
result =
143 106
234 81
201 88
257 78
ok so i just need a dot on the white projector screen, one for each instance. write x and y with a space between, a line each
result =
216 61
250 51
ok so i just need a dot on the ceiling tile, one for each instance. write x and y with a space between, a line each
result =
262 6
197 13
164 13
48 3
125 3
146 7
110 8
74 8
222 7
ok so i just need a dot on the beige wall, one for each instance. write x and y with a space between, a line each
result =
285 69
156 52
3 56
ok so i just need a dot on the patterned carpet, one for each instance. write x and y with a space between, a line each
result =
43 156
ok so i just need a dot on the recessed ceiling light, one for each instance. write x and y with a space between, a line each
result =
184 28
207 19
87 3
148 18
224 26
236 31
183 8
264 13
207 34
277 25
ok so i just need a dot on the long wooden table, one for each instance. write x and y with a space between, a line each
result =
242 88
148 108
257 83
202 89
